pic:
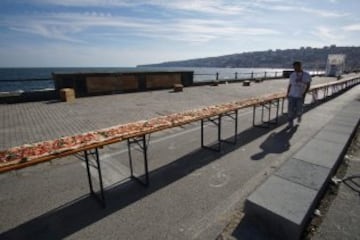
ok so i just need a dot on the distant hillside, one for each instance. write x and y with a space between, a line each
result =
312 58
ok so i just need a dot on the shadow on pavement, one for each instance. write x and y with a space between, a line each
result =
248 229
353 182
277 142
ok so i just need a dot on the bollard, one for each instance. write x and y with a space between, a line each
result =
67 95
246 83
178 87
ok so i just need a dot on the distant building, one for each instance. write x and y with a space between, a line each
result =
335 65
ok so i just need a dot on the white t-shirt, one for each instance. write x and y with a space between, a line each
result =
298 81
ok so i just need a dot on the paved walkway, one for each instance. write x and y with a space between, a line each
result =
193 192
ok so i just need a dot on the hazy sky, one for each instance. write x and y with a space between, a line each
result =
125 33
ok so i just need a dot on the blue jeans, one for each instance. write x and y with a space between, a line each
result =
295 108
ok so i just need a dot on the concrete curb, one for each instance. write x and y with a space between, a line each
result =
284 203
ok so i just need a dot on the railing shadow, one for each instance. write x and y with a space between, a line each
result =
80 213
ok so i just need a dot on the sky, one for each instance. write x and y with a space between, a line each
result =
126 33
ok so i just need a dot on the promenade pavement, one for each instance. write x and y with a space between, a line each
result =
193 192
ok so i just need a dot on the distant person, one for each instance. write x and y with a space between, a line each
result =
299 84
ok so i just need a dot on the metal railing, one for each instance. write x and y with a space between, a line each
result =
198 77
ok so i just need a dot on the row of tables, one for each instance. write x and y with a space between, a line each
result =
213 114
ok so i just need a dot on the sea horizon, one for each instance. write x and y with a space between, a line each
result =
25 79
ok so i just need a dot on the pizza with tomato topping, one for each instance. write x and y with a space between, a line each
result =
28 152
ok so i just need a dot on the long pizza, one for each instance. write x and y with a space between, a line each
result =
52 148
29 152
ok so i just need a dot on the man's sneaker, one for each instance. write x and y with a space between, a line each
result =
299 119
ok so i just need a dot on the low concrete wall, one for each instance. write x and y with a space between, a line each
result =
29 96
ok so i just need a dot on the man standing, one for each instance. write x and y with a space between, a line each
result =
299 84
